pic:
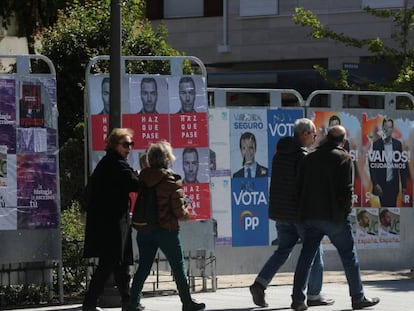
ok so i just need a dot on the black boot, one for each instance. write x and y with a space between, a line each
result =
194 306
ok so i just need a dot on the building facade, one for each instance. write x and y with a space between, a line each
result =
257 44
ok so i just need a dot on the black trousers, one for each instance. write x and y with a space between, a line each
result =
105 268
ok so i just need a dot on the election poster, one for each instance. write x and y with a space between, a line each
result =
386 149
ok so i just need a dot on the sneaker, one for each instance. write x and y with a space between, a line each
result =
299 306
365 303
258 294
194 306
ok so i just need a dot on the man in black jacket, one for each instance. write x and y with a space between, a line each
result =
325 192
284 210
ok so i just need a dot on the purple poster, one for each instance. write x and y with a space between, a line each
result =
36 191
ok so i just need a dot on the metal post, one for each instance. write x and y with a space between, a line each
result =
115 93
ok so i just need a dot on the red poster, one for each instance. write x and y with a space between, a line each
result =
189 130
198 196
148 128
100 129
31 108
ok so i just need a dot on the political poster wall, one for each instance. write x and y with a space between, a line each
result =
29 166
172 108
28 154
243 139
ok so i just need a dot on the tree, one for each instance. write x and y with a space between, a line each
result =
31 16
400 56
82 31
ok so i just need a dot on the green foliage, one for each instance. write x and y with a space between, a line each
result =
400 55
30 16
28 294
82 31
74 270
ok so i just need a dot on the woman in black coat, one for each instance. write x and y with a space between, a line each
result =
107 233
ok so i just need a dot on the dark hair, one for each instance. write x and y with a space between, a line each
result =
387 120
104 80
187 80
334 118
383 212
190 150
245 136
149 80
360 214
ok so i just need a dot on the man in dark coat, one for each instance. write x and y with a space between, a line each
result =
325 192
107 233
386 174
283 208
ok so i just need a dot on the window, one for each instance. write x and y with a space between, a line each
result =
159 9
183 8
258 7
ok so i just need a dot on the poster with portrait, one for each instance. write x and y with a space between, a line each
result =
147 110
192 164
99 106
386 149
187 94
326 119
367 235
248 143
389 227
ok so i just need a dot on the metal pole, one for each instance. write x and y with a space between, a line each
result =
115 93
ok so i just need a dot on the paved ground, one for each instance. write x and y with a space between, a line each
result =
395 288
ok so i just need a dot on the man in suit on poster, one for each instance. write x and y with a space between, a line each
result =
248 151
386 173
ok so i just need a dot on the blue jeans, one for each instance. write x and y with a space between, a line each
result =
288 235
340 234
170 245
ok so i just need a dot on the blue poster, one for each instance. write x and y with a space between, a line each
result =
280 124
249 201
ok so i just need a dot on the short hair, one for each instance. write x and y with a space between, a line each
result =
190 150
160 154
104 80
383 212
387 120
187 80
336 134
334 118
301 126
246 136
149 80
361 214
115 137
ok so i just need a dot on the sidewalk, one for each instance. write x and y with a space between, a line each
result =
395 288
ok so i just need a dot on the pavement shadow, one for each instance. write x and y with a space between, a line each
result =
393 285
